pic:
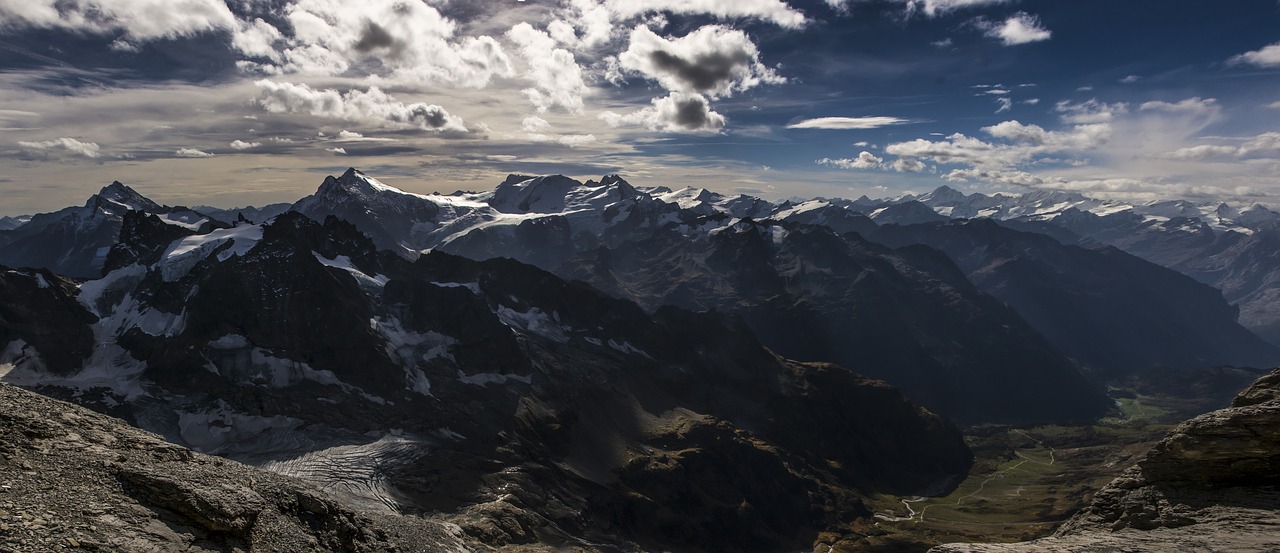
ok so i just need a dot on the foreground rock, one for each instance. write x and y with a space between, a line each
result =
1211 485
76 480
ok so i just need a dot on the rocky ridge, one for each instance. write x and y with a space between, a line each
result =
75 480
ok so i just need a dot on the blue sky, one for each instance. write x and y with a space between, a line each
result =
230 102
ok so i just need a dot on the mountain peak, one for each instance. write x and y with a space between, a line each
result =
545 194
121 194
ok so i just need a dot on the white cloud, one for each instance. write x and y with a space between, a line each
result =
534 124
133 20
845 123
1019 28
1264 145
1026 142
1267 56
1192 106
935 8
242 145
907 165
1091 111
191 152
773 11
1005 104
1130 79
865 160
677 112
338 151
345 134
374 107
554 71
714 61
404 40
71 145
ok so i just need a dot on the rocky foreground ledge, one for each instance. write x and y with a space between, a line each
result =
72 479
1213 484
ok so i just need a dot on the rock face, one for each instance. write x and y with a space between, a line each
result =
1211 485
74 479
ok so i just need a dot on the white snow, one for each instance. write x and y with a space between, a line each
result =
343 262
473 286
185 253
215 430
410 349
626 347
535 321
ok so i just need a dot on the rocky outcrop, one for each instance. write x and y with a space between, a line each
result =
71 479
1211 485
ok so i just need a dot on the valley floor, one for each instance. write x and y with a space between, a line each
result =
1024 481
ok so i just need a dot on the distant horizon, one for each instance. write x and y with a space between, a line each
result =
642 185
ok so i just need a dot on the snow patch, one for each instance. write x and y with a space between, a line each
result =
185 253
535 321
343 262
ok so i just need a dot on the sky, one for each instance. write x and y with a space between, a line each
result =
238 102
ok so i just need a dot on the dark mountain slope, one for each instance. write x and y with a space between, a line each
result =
908 316
1110 310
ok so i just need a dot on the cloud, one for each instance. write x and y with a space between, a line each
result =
713 60
1130 79
410 41
555 73
773 11
242 145
191 152
846 123
1006 104
936 8
1091 111
534 124
70 145
1267 56
1265 144
677 112
374 107
1025 143
907 165
336 150
1192 106
865 160
130 20
1020 28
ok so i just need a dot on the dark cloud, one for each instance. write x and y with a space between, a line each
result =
693 113
376 37
706 72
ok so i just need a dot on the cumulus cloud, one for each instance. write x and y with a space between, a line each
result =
713 61
555 73
191 152
844 123
907 165
242 145
132 20
406 40
1019 28
64 144
373 107
677 112
1267 56
865 160
1024 143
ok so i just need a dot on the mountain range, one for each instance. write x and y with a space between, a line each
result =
555 361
